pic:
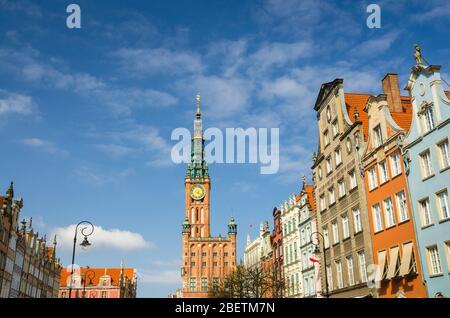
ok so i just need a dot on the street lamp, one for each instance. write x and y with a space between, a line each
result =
89 274
86 230
317 251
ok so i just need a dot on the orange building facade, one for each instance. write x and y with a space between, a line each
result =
205 259
389 207
99 283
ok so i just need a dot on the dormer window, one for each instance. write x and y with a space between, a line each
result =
427 114
378 137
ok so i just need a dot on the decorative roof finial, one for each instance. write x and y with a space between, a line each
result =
304 181
198 105
355 113
314 156
10 191
418 55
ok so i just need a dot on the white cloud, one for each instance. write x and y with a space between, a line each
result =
103 238
96 177
221 97
139 62
12 103
278 54
44 145
376 46
114 150
29 65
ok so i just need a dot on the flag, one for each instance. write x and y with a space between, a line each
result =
313 260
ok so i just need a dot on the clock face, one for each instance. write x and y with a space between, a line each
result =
197 192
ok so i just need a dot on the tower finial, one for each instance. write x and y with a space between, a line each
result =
198 105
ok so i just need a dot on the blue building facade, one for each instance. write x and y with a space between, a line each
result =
426 155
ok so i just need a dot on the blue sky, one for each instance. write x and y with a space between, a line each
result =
86 115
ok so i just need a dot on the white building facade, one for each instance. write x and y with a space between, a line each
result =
290 219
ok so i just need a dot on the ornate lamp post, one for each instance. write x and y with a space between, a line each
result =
86 230
317 251
89 273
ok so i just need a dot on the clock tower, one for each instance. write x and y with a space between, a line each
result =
205 260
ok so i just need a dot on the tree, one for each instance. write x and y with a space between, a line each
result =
242 282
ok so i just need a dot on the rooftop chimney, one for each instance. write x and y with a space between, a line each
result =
391 89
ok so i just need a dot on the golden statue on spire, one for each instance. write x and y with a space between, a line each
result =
418 55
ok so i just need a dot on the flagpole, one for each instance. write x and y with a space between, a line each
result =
317 251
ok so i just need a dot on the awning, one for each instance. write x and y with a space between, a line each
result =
393 260
381 264
405 267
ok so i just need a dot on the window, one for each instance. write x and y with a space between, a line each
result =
306 286
341 188
340 281
353 182
434 260
203 264
215 264
326 138
335 230
338 156
396 168
389 216
378 137
443 205
203 254
429 119
295 250
329 165
384 174
444 155
225 254
357 220
331 196
376 215
362 266
373 183
225 264
323 204
345 227
427 166
192 264
214 253
329 278
402 209
215 281
63 295
335 128
192 253
326 238
425 212
204 285
351 274
447 251
192 284
103 294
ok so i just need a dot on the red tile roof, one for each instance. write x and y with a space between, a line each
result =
447 94
358 101
310 193
403 119
99 272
